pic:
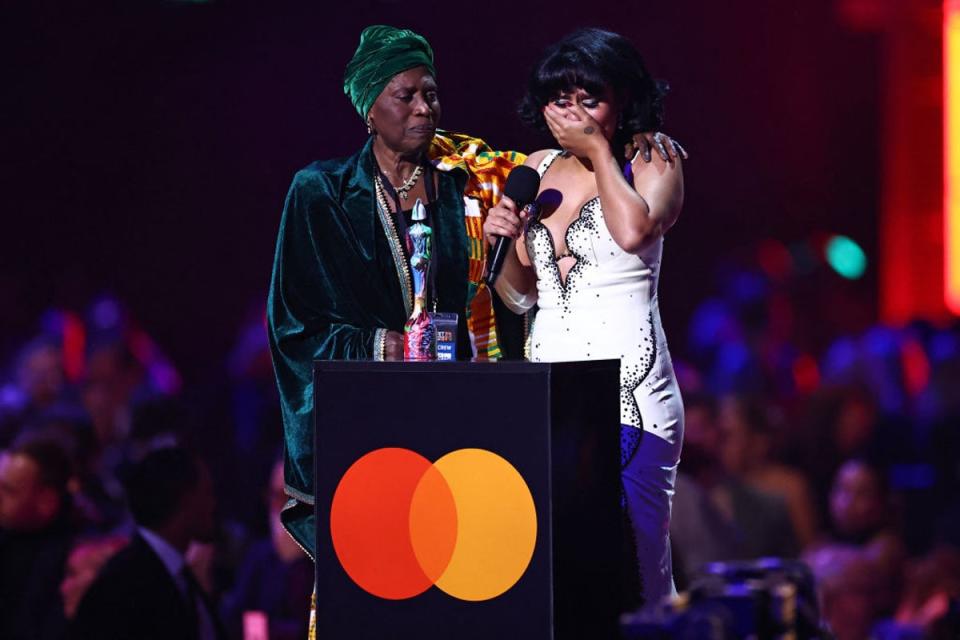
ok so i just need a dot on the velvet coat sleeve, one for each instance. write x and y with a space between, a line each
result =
326 301
336 289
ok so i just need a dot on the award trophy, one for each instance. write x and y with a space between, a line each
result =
419 333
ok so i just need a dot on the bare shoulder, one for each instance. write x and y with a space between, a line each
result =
658 178
535 158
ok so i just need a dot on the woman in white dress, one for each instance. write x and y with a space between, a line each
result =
591 261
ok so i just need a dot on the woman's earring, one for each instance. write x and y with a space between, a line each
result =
369 127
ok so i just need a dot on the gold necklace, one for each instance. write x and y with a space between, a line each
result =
404 190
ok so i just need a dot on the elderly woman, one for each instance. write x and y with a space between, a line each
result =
342 287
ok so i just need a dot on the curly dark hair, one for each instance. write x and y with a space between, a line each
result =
594 59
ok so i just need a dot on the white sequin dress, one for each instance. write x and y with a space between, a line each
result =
607 309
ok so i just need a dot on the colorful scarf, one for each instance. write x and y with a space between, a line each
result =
487 171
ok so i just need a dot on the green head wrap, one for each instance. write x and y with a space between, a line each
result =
383 53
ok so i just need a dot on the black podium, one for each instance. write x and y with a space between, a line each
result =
491 429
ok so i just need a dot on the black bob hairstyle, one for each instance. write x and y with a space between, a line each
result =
594 59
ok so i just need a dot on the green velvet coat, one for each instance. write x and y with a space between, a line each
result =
335 284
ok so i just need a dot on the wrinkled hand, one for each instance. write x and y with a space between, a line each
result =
393 346
575 130
668 148
503 220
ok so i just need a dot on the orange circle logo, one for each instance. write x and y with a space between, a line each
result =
465 523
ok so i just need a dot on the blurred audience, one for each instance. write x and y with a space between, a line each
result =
112 377
862 553
747 452
38 384
716 516
147 590
787 394
83 564
850 589
836 424
931 594
36 531
275 579
254 418
862 512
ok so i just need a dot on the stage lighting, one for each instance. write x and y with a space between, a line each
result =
845 257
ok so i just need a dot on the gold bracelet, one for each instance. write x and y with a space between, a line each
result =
380 345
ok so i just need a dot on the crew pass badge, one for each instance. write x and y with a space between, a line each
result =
465 524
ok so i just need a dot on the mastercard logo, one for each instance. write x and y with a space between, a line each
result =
465 524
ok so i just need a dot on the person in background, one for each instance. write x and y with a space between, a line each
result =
36 531
862 525
839 423
39 383
148 590
275 579
716 516
747 452
83 564
112 378
848 590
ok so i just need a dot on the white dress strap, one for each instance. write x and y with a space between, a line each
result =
548 160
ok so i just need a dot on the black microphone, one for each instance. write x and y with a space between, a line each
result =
522 186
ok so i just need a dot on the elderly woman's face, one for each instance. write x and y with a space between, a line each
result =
406 113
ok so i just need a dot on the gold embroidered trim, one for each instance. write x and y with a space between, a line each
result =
393 239
289 505
380 345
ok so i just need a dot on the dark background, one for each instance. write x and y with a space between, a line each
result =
147 147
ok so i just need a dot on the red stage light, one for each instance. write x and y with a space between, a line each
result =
951 154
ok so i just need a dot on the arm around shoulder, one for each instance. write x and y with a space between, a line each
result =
638 213
660 184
